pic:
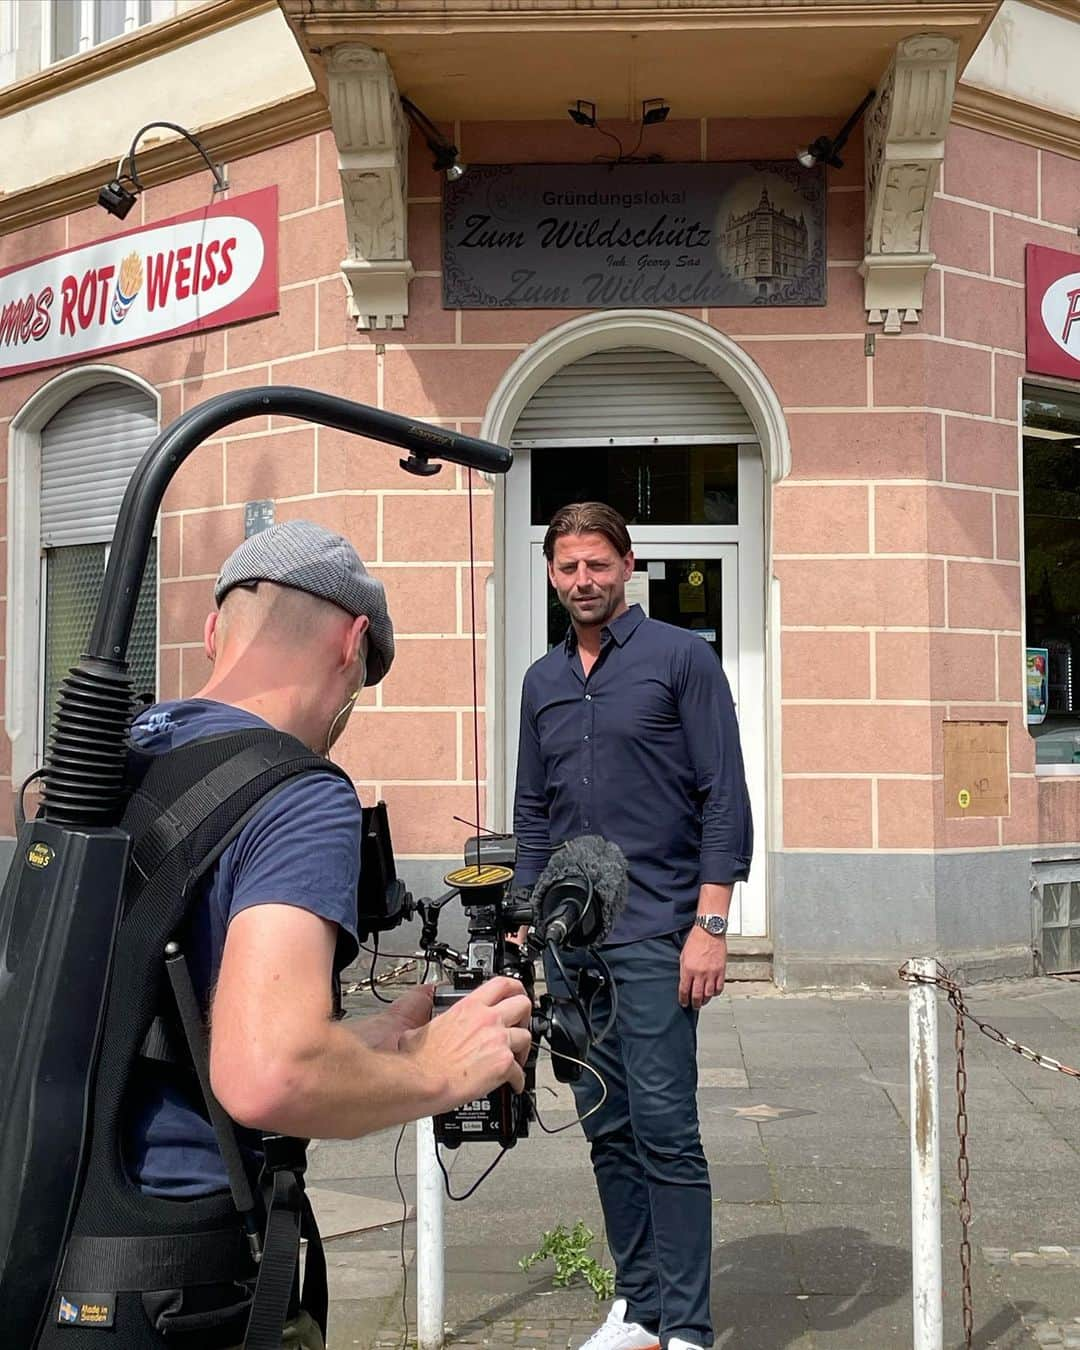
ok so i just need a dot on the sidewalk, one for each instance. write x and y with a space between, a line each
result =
810 1195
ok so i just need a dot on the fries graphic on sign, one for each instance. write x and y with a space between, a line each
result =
128 285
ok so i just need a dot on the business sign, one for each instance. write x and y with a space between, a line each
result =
201 270
594 236
1053 312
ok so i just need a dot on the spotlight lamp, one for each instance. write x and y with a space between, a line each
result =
653 111
826 149
118 200
115 198
445 155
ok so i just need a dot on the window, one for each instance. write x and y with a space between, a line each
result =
647 485
88 451
1052 571
73 26
9 40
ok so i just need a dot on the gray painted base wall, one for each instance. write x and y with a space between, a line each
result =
848 919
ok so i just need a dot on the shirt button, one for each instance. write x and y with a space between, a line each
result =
588 698
585 781
585 823
585 738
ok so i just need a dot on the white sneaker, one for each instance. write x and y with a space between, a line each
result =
619 1334
677 1344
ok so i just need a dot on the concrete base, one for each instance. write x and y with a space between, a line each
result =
794 971
850 920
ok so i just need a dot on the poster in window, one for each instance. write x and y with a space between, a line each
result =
1038 660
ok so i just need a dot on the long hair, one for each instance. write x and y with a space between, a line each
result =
588 518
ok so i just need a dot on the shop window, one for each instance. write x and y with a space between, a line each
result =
1052 571
73 26
88 452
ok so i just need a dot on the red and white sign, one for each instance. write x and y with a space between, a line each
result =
201 270
1053 312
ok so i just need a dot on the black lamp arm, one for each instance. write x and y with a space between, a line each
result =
133 175
846 130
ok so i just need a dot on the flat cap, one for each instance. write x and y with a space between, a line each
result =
307 557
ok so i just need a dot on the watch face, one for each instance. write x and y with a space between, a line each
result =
714 924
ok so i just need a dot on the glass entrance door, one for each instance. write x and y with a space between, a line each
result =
696 516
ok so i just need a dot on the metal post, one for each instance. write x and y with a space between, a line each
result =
430 1252
925 1160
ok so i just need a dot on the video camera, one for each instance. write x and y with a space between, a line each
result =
573 905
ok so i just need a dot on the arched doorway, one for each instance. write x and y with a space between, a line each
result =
672 424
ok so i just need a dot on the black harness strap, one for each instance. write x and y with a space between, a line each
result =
177 823
290 1218
277 1269
145 1263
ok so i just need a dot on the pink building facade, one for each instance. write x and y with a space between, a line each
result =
873 590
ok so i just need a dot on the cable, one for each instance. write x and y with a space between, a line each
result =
389 956
475 686
404 1222
553 949
371 975
595 954
578 1120
20 800
482 1177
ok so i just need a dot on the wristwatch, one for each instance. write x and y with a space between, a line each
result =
714 924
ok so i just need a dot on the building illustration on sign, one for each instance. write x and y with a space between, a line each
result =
766 244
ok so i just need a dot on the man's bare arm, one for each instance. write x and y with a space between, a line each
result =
279 1063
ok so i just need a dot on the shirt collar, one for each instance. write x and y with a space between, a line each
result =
620 629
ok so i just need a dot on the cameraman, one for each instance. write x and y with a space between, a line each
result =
299 630
628 731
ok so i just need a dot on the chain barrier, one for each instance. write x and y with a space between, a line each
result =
941 979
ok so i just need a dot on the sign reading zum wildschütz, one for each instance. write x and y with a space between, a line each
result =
594 236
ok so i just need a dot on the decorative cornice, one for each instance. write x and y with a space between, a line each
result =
905 134
342 19
1067 9
984 110
262 129
372 143
131 49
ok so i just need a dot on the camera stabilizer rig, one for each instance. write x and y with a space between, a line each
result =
62 901
573 905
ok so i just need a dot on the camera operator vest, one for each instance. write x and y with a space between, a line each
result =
134 1271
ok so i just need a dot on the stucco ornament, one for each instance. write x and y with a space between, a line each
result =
372 144
905 147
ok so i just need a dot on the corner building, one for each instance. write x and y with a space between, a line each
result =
840 404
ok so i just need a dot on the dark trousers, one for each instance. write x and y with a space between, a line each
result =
646 1146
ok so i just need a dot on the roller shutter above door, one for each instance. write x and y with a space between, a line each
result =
631 396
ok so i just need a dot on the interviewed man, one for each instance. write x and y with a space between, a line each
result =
299 630
628 731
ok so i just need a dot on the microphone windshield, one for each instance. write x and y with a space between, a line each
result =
584 887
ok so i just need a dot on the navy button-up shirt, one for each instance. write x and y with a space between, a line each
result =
644 752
